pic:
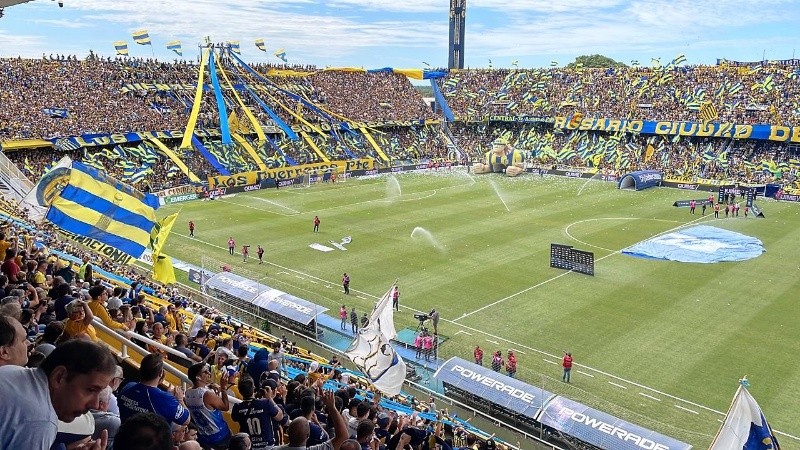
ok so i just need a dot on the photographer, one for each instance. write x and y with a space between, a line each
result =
258 413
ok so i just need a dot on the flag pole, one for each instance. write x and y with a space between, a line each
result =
742 383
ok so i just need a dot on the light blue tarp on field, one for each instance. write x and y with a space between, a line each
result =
699 244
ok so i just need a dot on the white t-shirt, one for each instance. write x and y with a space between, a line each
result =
197 324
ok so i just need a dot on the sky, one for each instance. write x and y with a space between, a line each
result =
410 33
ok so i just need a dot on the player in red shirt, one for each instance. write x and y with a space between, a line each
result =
716 211
191 228
478 354
566 363
245 252
511 364
260 253
316 224
231 245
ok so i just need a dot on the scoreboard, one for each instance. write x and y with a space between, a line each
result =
567 258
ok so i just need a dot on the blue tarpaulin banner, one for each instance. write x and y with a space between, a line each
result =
272 300
440 100
495 387
699 244
641 179
603 430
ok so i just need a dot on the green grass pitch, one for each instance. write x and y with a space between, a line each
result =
661 344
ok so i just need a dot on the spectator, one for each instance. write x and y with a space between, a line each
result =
67 384
207 402
146 396
144 431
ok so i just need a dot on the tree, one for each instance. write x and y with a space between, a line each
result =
595 61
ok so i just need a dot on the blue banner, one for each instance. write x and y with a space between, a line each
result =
603 430
223 111
765 132
502 390
437 93
60 113
104 139
209 157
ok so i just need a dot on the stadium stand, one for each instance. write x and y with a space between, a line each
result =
53 101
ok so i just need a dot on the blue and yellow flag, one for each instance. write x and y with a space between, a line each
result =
98 206
281 54
261 45
175 46
235 47
141 37
121 47
745 426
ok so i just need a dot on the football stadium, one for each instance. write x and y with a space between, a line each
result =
225 249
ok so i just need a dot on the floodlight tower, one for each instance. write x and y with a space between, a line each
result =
458 13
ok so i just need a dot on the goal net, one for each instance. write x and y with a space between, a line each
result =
327 175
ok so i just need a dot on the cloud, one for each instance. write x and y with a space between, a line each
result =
31 44
62 23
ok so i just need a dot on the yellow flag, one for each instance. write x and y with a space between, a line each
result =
162 269
649 153
158 237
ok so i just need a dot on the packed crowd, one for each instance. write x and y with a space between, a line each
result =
65 96
685 158
742 95
57 374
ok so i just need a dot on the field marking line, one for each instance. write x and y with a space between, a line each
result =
649 396
687 409
566 230
493 342
518 351
298 276
549 362
330 285
339 206
561 275
585 373
511 296
294 211
617 385
257 209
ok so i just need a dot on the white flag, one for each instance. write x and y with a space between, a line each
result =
374 355
384 313
745 426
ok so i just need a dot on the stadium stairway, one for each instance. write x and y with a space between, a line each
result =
131 354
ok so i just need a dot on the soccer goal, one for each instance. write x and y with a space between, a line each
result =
327 175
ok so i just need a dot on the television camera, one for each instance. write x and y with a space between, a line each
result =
422 319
